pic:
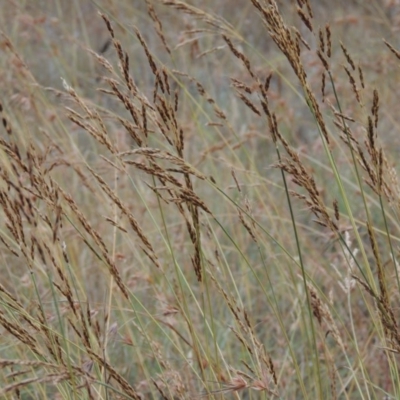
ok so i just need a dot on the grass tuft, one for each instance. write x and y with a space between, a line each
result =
205 205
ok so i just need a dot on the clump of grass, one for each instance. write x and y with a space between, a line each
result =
186 233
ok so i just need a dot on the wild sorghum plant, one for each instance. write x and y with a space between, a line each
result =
199 200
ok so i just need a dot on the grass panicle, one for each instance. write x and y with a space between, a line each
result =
205 205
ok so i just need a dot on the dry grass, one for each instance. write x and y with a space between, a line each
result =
205 205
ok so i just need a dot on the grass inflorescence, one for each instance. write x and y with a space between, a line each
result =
205 205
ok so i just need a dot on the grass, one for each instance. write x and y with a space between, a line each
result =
205 205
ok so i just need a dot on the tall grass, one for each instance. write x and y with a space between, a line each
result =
205 205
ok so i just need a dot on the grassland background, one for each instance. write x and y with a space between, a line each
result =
252 328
